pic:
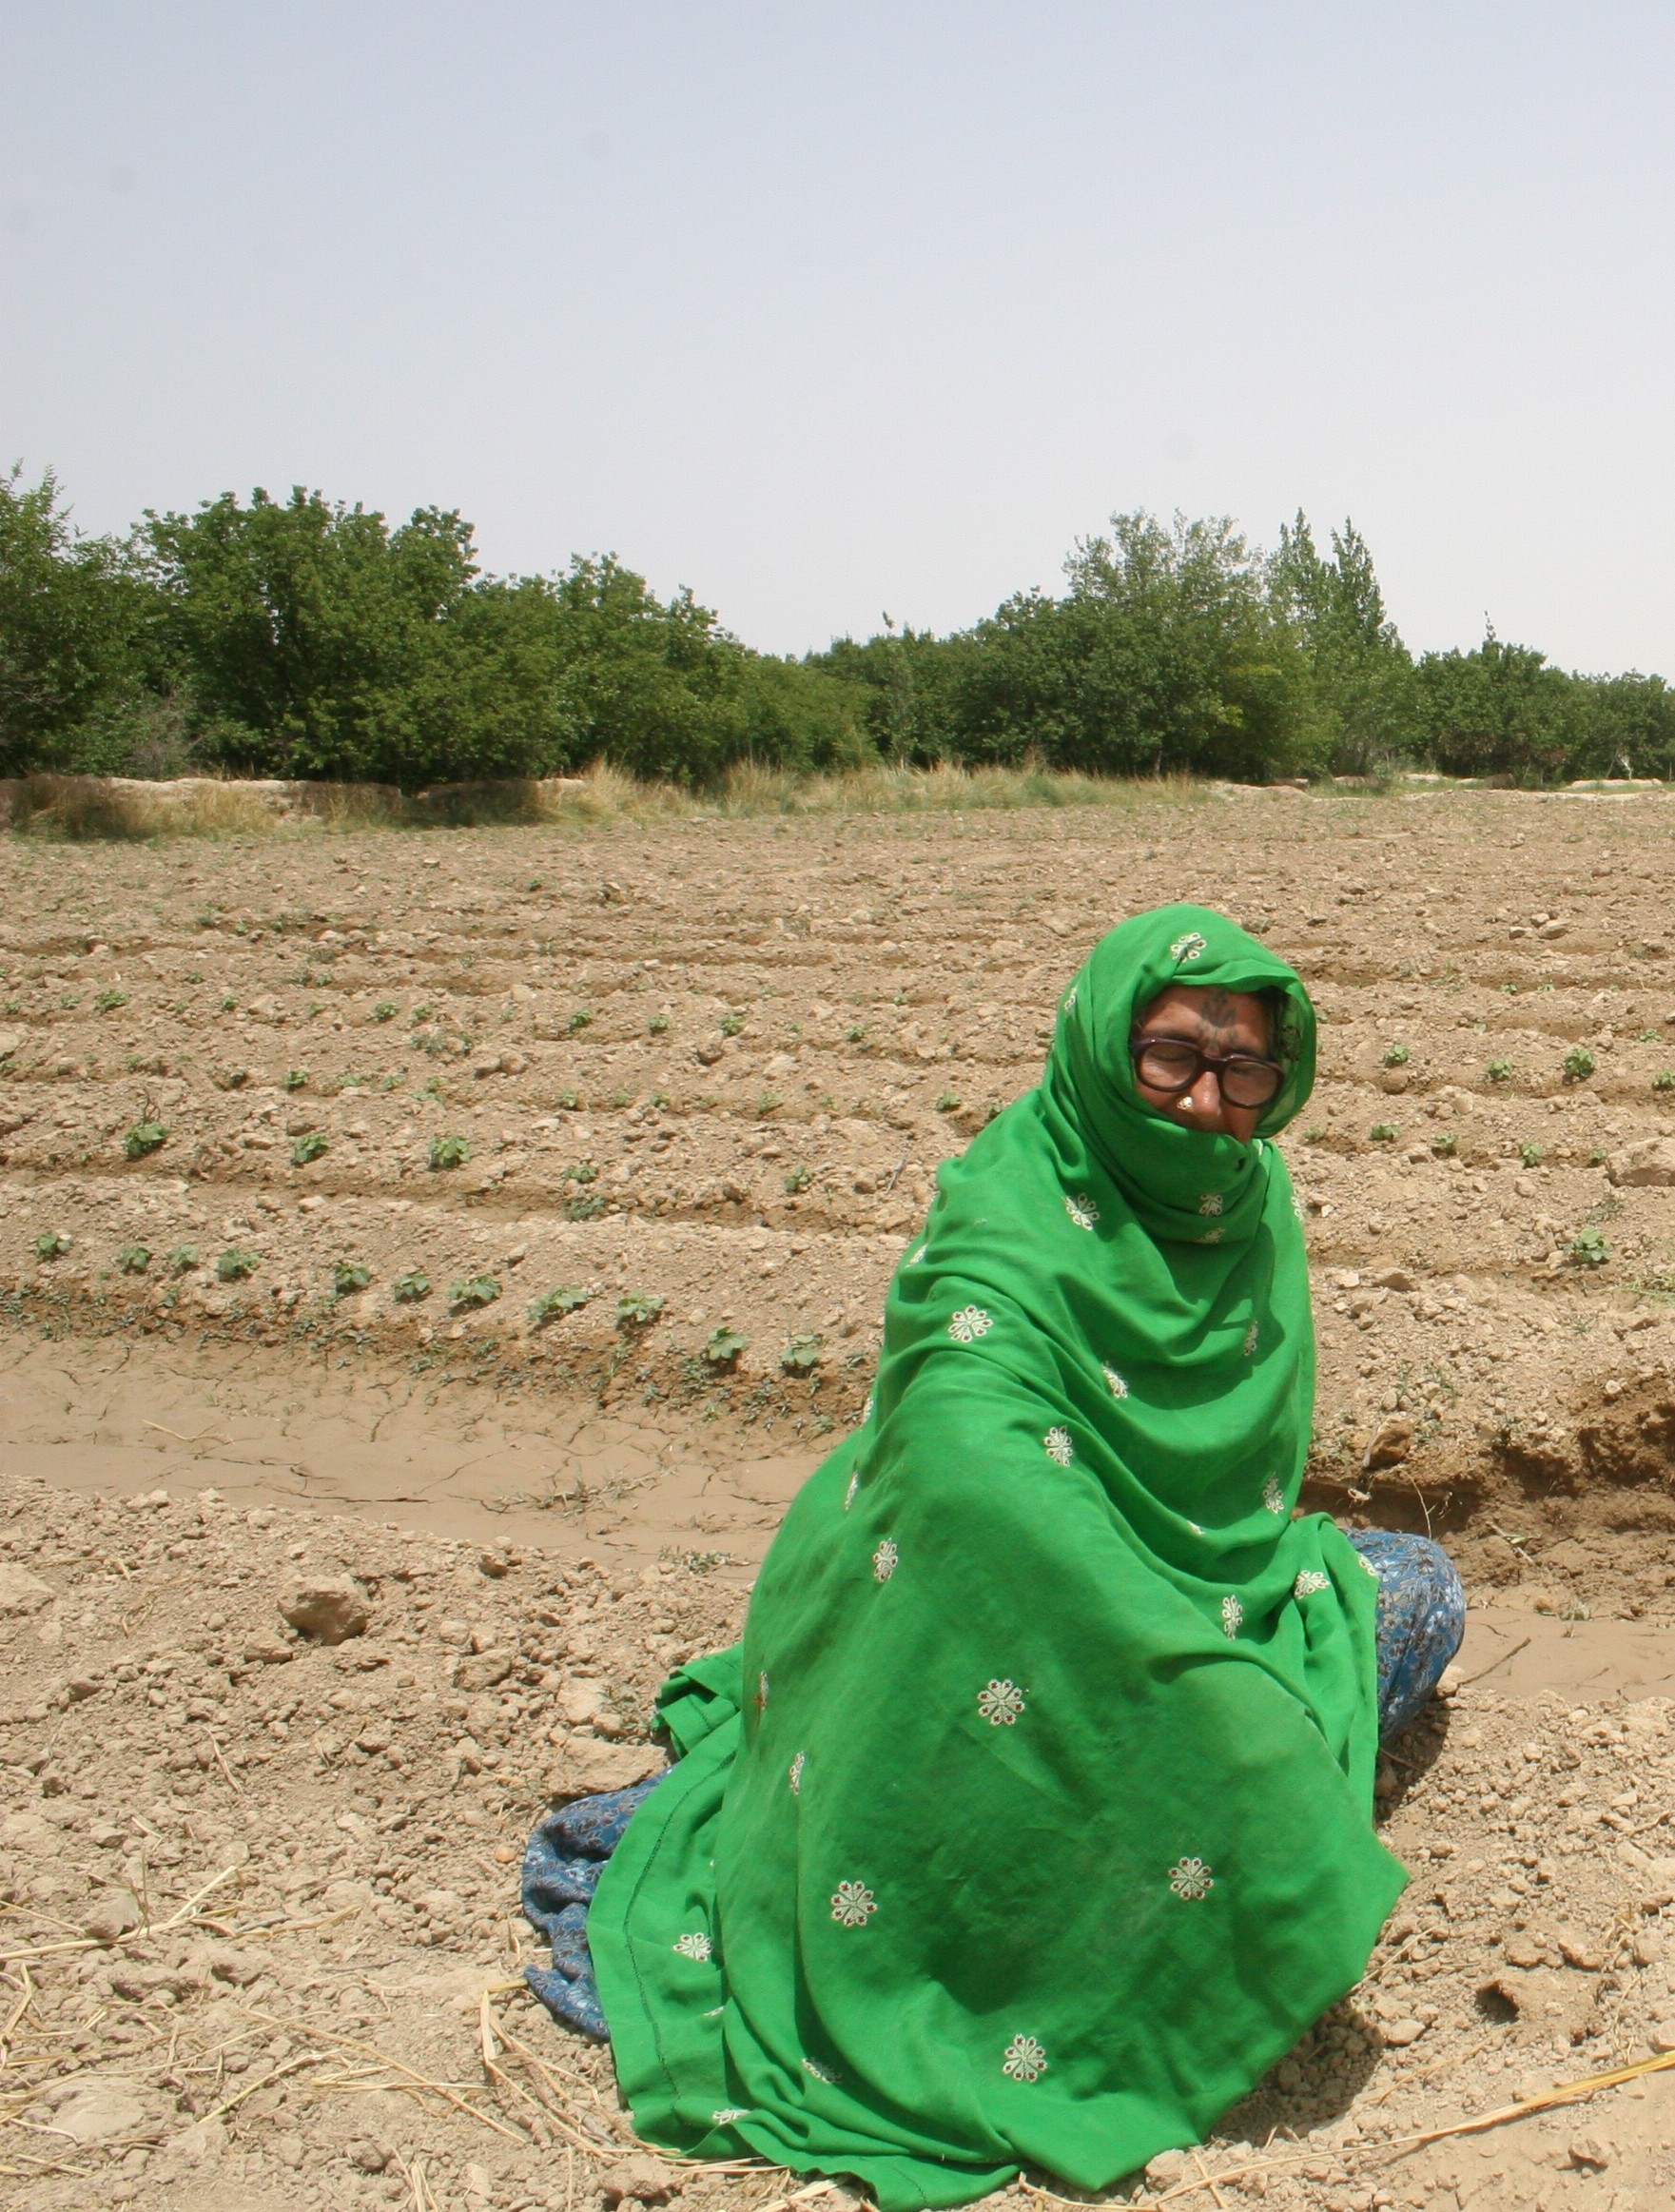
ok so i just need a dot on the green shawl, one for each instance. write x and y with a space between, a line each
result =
1032 1821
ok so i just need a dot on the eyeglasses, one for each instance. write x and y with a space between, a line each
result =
1168 1065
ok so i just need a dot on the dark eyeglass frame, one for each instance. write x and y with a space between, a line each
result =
1219 1062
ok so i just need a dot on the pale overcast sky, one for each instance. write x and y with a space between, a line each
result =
826 309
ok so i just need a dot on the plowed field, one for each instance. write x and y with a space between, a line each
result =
527 1197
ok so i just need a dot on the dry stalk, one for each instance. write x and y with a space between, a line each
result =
367 2050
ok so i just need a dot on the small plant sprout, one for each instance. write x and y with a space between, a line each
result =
472 1292
230 1078
724 1348
51 1245
1499 1071
578 1021
1598 1157
182 1260
229 1006
567 1102
1588 1249
1384 1132
801 1355
554 1304
1579 1064
797 1179
583 1172
1445 1145
293 1079
657 1025
1397 1056
107 1001
384 1011
637 1309
947 1103
448 1152
768 1103
855 1033
349 1275
134 1259
235 1263
1665 1080
309 1145
583 1209
730 1025
143 1138
409 1288
1529 1155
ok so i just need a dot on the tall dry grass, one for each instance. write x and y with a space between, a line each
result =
79 807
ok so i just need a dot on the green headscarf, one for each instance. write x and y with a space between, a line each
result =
1031 1822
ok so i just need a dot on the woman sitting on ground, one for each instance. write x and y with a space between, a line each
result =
1031 1823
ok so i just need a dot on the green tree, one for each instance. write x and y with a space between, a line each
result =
72 617
1497 711
1362 673
1166 654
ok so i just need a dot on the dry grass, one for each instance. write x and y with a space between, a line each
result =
85 806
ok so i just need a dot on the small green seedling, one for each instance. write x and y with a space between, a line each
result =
724 1347
476 1290
293 1078
143 1138
554 1304
182 1260
235 1263
657 1025
797 1179
1665 1080
51 1245
1397 1056
1499 1071
1579 1064
583 1209
1588 1249
1529 1155
409 1288
578 1021
384 1011
349 1275
134 1259
107 1001
309 1145
583 1172
730 1025
1446 1144
855 1033
801 1355
1598 1157
637 1309
947 1103
568 1102
229 1006
1384 1132
448 1152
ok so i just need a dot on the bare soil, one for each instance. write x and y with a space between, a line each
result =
704 1073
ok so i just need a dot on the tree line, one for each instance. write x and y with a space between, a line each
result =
308 638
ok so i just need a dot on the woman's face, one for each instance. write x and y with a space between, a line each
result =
1218 1023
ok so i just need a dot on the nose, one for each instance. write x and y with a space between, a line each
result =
1204 1098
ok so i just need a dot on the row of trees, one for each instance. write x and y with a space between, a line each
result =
306 637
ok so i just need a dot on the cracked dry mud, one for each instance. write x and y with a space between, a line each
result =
785 1027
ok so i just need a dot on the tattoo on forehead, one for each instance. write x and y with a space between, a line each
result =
1218 1010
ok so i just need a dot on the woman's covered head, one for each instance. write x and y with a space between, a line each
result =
1203 1056
1181 1041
